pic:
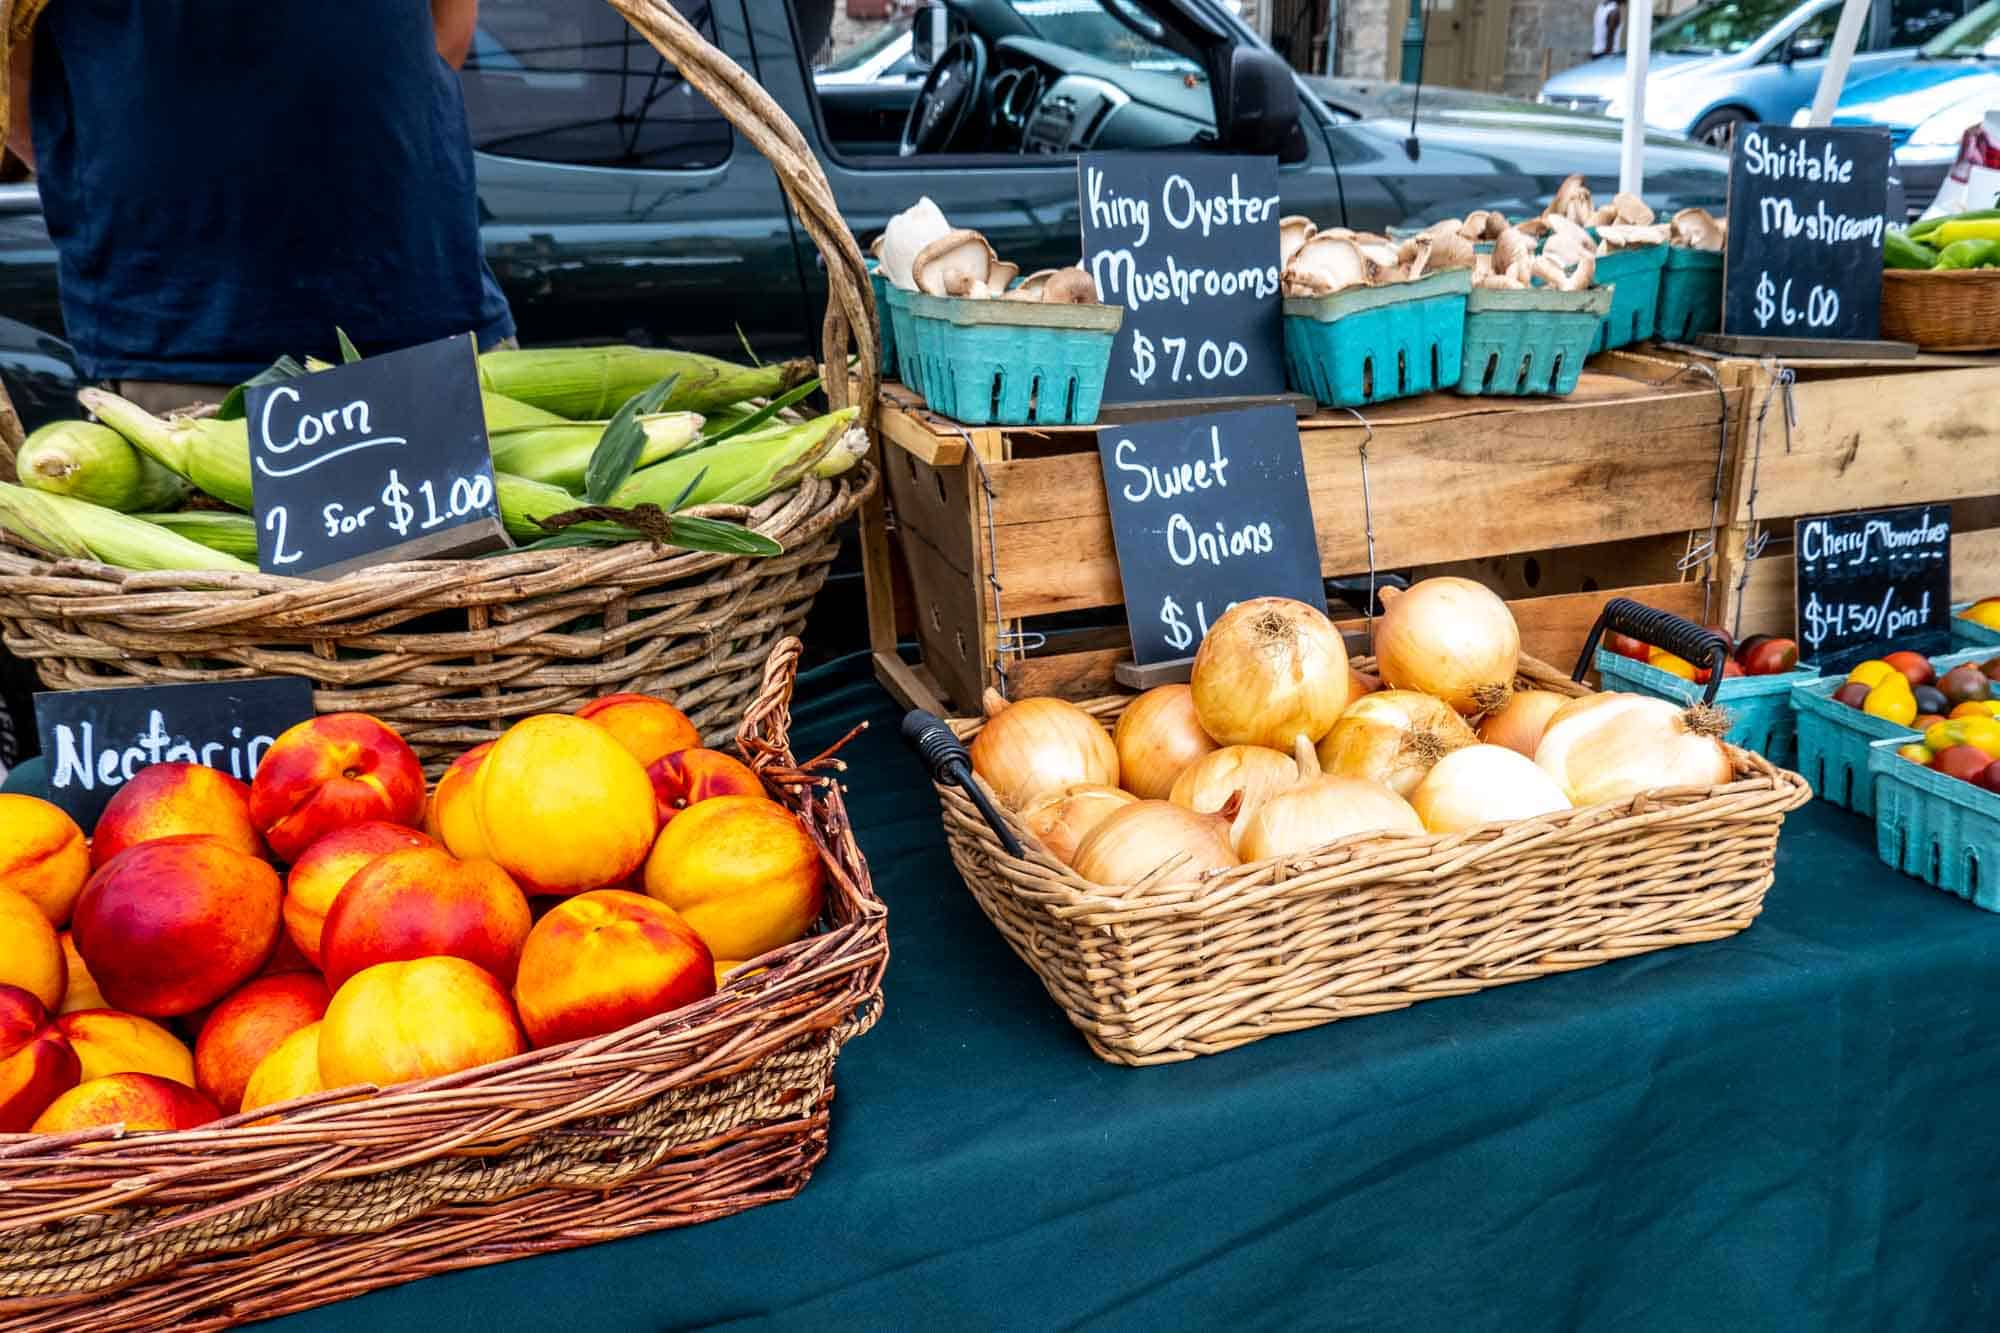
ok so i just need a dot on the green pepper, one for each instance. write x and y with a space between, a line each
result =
1899 251
1922 231
1969 254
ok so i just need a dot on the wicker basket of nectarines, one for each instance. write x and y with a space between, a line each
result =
336 1028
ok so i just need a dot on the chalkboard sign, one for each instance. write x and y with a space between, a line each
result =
95 741
1207 511
383 459
1188 244
1807 212
1871 582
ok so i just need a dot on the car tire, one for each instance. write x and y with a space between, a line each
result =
1718 128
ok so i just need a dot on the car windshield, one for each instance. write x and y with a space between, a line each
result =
1722 27
1976 35
1086 26
890 34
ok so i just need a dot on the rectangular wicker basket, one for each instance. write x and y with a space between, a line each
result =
1171 971
695 1114
1956 310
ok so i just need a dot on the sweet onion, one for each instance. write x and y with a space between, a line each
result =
1321 808
1518 724
1392 738
1039 745
1269 671
1606 747
1451 638
1484 784
1236 778
1062 819
1157 737
1148 838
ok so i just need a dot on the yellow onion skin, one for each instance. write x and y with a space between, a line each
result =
1158 736
1392 738
1063 819
1249 773
1321 810
1451 638
1039 745
1142 838
1519 723
1608 747
1269 671
1484 784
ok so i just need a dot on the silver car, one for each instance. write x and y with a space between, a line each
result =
1735 62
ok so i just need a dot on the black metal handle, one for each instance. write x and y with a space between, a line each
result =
1662 629
949 761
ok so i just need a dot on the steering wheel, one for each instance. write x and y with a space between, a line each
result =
950 93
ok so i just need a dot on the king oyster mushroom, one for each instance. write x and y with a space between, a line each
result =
1624 209
1534 228
1293 232
906 235
1567 241
1572 201
1482 224
1699 229
1323 265
958 263
1449 248
1565 277
1000 277
1030 287
1414 256
1628 235
1512 246
1069 286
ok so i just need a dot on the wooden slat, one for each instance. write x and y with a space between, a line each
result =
1876 440
1560 475
1768 604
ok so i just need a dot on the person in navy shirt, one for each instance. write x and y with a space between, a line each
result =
226 183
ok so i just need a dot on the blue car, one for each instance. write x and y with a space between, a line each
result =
1736 62
1929 104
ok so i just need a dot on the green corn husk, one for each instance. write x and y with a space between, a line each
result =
523 501
742 470
86 461
78 529
590 383
559 454
231 534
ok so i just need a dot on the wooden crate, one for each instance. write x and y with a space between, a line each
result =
1557 503
1864 434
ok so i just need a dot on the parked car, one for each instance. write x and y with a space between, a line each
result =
1735 62
1932 105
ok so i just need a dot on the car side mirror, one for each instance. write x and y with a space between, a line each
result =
1804 47
1260 104
929 29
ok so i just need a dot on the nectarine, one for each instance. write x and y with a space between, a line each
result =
169 800
36 1062
290 1070
43 856
139 1102
452 817
80 989
742 870
329 772
319 875
109 1042
245 1028
694 774
604 960
563 807
423 903
31 956
172 925
421 1019
650 728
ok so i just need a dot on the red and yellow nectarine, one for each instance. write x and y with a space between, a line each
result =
246 1027
43 856
687 776
421 1019
290 1070
650 728
603 960
139 1102
563 807
107 1042
319 875
36 1062
79 987
423 903
329 772
742 871
170 800
452 817
31 956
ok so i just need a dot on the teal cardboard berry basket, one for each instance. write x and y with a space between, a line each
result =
902 327
1012 363
1690 294
1971 633
1634 278
1834 739
1370 344
883 320
1759 707
1936 828
1530 341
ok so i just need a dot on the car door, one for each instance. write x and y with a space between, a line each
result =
1775 87
615 202
27 260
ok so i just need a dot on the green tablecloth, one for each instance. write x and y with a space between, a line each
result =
1795 1128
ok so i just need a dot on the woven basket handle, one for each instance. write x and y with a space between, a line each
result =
764 734
1662 629
850 307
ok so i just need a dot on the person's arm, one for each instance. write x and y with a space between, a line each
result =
454 21
18 138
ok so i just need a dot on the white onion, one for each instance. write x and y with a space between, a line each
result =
1607 747
1321 808
1392 738
1484 784
1062 819
1269 671
1154 837
1157 737
1248 775
1040 745
1451 638
1520 722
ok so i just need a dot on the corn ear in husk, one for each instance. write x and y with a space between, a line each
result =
559 454
591 383
231 534
86 461
745 469
80 530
